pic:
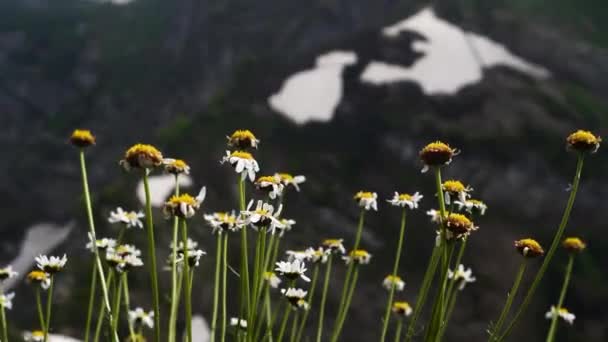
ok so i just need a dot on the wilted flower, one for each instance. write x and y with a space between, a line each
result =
334 245
129 218
33 336
272 279
562 313
292 270
295 181
472 206
264 215
82 138
529 248
271 184
402 309
7 273
574 245
39 277
222 221
51 265
359 256
437 154
296 297
176 166
243 163
459 225
140 317
462 275
403 200
184 205
6 300
141 156
393 280
455 189
238 322
102 244
583 141
367 200
243 139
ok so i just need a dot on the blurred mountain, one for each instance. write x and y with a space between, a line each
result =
183 74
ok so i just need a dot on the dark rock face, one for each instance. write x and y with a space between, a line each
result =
184 79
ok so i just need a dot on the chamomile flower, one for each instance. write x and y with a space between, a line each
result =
243 139
243 163
403 200
462 276
51 265
272 279
437 154
583 141
82 138
302 255
271 184
184 205
434 215
223 221
402 309
264 215
574 245
238 322
124 257
562 313
102 244
334 245
6 300
125 249
289 180
39 277
7 273
141 156
129 218
176 166
393 280
33 336
292 270
142 318
318 255
472 206
529 248
287 226
459 225
194 257
455 189
296 297
367 200
358 256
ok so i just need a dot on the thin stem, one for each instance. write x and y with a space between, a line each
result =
89 210
324 298
510 297
91 302
562 297
399 328
311 295
351 291
284 323
101 310
224 285
439 306
186 271
452 301
117 299
216 287
152 256
245 295
294 326
174 301
39 309
49 303
125 287
556 240
4 326
395 270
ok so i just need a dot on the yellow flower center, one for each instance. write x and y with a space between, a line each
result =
184 198
364 195
286 177
143 149
584 137
401 307
453 186
529 247
242 134
269 179
268 275
475 202
37 276
393 278
405 197
82 138
179 164
226 218
574 244
359 254
459 223
37 333
242 155
563 311
131 215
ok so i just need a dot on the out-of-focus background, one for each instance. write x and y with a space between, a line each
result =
343 92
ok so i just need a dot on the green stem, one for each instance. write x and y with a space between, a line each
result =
510 297
152 256
125 284
351 291
89 209
294 326
224 285
284 322
448 314
244 281
174 301
451 291
324 298
39 309
117 299
311 295
556 241
186 272
439 306
395 270
91 302
562 297
49 303
399 328
216 287
101 310
4 326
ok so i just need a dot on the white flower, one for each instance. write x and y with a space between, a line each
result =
241 323
287 226
472 206
243 163
125 250
402 309
194 257
130 218
264 215
298 255
334 245
402 200
190 244
124 257
294 181
184 205
139 316
271 184
6 300
33 336
296 297
462 276
292 270
317 255
39 277
454 188
223 221
101 244
367 200
358 256
272 279
562 312
51 265
7 273
435 215
176 166
393 280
